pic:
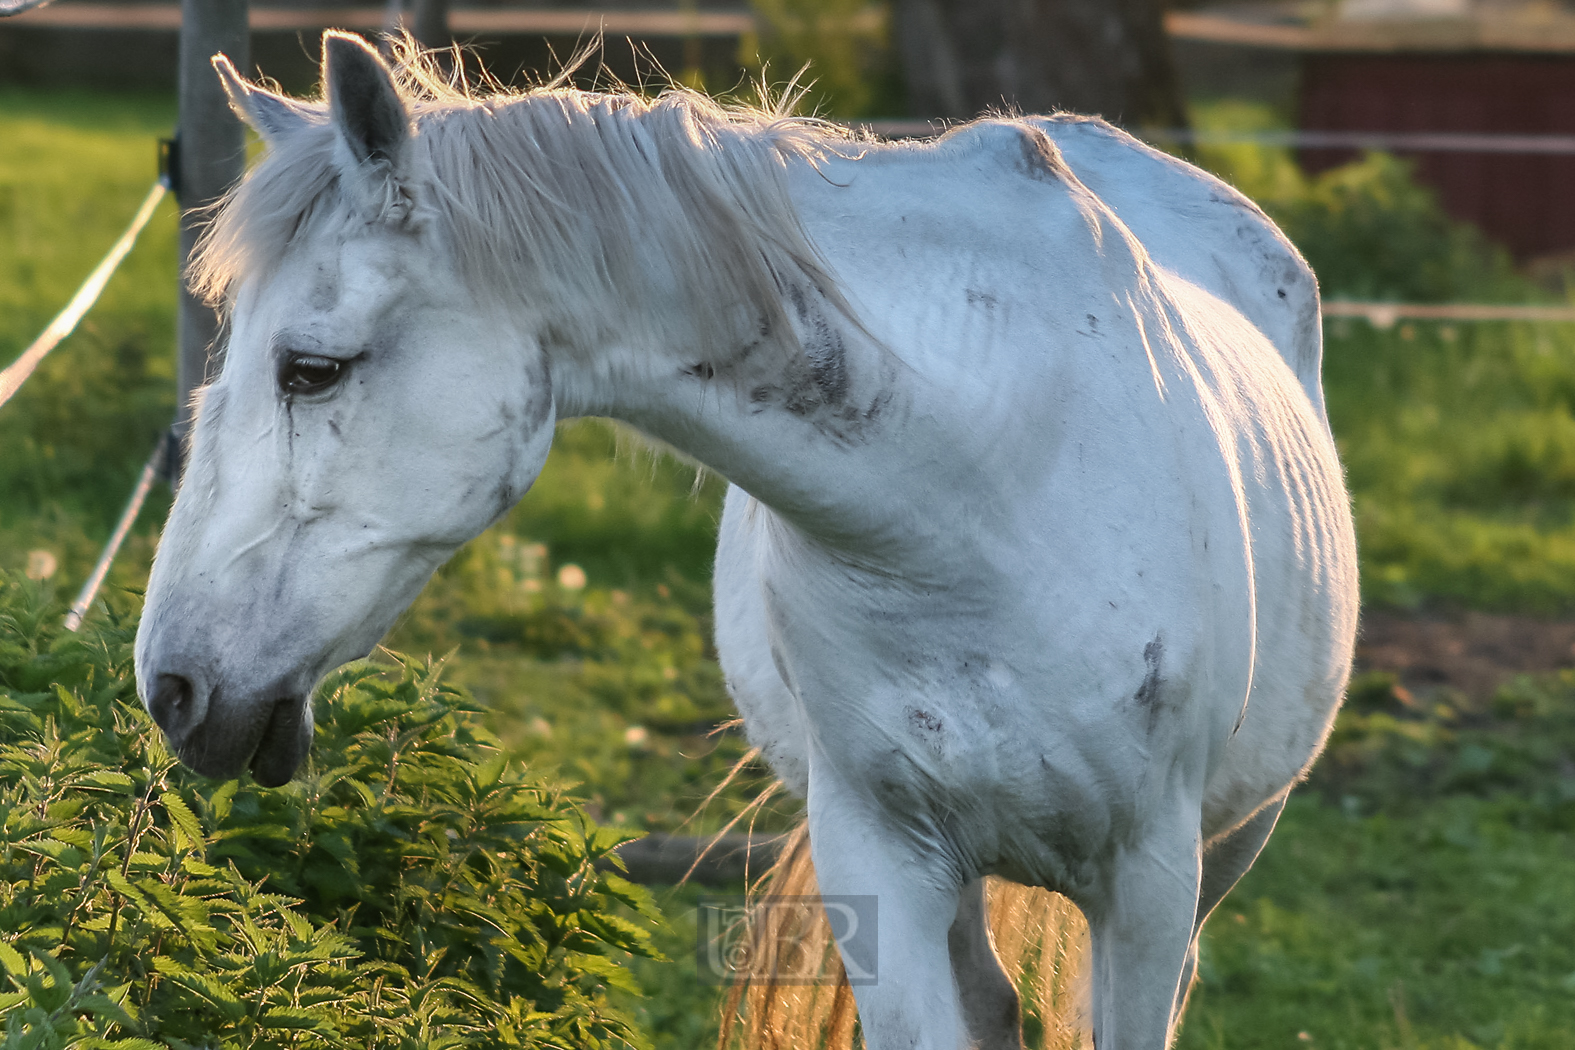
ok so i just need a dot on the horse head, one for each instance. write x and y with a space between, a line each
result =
372 414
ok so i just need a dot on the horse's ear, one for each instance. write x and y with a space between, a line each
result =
363 101
271 116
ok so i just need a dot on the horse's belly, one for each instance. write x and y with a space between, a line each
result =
1306 625
1007 739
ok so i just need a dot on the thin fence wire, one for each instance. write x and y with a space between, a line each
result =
16 373
12 378
1386 141
1384 315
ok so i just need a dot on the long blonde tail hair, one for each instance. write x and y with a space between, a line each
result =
1040 937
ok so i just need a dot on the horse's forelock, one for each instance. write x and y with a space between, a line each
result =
578 201
253 225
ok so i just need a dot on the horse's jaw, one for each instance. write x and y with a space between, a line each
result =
230 649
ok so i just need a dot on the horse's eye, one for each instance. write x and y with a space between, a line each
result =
308 374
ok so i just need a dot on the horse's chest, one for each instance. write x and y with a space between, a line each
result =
943 709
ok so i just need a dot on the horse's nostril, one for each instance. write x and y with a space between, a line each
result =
172 703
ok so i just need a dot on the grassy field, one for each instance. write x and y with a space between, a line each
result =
1416 895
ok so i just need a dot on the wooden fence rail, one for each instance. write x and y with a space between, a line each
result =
707 860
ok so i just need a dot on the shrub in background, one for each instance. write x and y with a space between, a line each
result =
843 48
412 888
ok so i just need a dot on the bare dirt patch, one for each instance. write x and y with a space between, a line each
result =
1474 653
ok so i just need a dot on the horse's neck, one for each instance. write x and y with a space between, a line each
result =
816 435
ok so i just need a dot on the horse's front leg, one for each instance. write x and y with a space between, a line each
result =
1141 926
902 977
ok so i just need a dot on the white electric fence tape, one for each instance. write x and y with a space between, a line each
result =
17 372
1384 315
128 517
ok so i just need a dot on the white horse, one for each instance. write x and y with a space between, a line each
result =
1037 560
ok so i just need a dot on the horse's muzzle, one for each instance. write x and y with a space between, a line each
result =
215 741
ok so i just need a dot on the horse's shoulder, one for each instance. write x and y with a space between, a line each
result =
1201 229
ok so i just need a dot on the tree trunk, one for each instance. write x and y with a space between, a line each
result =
209 158
1105 57
429 24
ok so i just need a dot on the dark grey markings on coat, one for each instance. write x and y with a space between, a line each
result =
1148 696
985 299
824 349
504 495
538 400
1091 330
923 722
736 363
325 293
538 405
814 385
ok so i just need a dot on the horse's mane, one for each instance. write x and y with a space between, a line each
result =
609 205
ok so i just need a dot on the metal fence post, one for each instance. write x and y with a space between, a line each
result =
210 156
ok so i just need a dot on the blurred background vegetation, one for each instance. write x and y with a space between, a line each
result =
1416 895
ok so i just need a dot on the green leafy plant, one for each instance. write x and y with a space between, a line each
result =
413 888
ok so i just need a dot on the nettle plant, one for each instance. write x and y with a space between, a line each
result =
413 888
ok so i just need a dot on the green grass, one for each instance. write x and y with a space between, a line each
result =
1447 927
1460 449
1414 897
71 176
1416 894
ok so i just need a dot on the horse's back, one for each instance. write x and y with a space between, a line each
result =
1205 232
